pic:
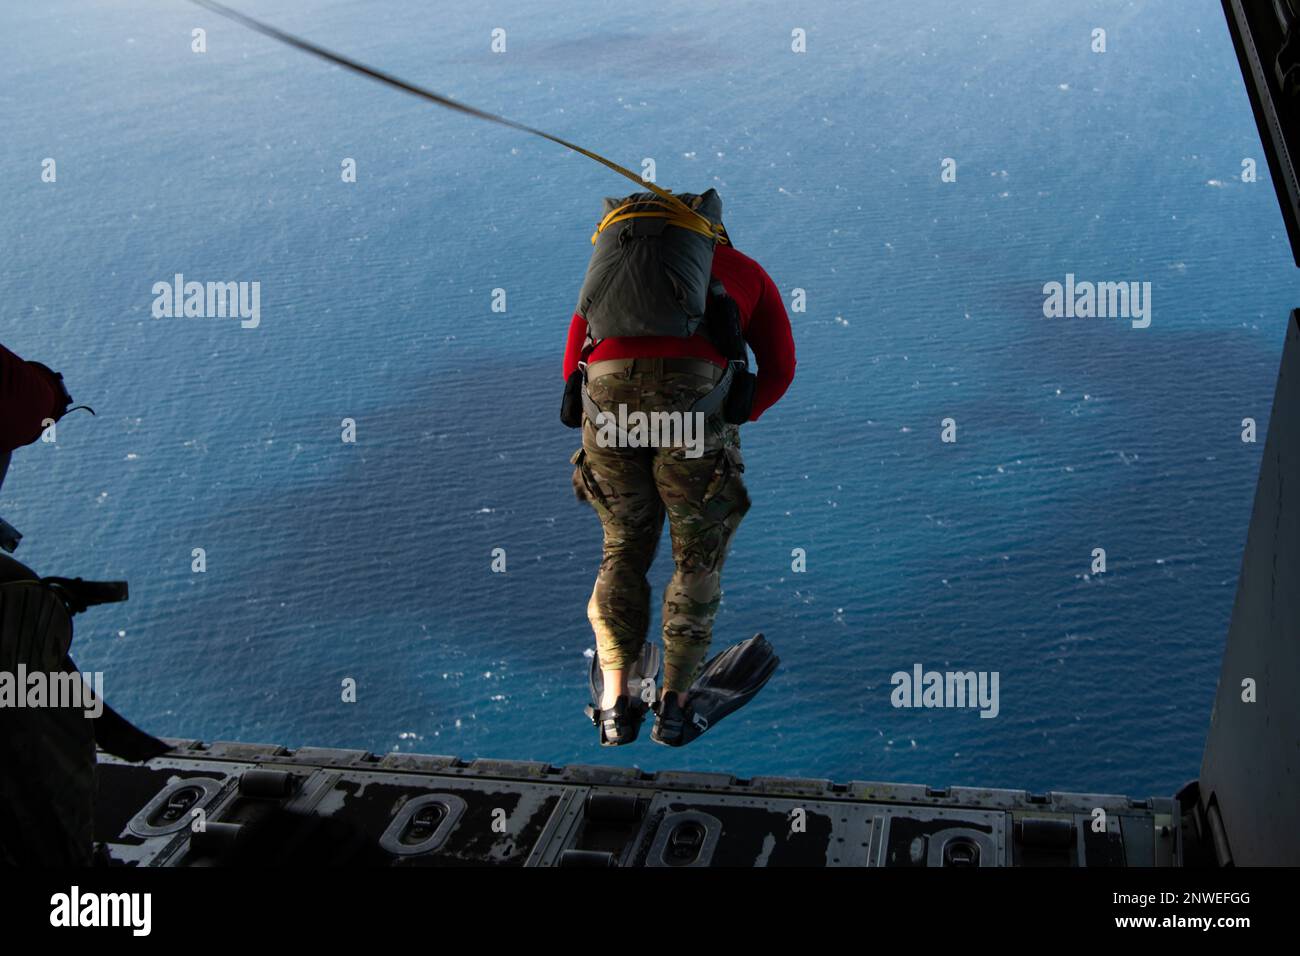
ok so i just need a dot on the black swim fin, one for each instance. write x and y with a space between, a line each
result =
727 683
621 723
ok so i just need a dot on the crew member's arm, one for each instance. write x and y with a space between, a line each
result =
768 334
29 394
573 347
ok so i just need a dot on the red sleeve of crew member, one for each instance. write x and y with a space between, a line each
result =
573 347
769 336
27 398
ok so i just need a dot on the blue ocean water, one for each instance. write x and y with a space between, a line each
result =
328 561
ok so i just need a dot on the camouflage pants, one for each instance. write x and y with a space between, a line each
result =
631 489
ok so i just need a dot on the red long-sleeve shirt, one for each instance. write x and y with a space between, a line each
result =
27 398
762 317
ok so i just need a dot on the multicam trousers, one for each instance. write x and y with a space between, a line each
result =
631 489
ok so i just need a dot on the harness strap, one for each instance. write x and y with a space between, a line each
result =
709 403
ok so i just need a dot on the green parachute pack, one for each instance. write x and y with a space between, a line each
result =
649 272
